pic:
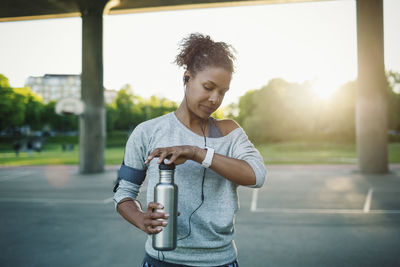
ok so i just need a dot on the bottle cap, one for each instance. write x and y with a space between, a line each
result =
164 166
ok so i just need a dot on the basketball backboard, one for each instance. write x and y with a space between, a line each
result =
69 106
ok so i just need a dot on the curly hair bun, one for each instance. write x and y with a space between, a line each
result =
198 51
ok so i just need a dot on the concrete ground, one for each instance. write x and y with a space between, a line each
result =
313 215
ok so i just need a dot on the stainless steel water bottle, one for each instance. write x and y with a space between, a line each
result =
166 193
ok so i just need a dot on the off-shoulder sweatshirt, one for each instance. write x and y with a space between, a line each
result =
210 242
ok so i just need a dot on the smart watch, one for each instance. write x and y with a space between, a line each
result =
208 159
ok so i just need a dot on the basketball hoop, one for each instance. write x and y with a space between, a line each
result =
69 106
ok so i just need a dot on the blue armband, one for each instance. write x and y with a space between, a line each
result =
131 174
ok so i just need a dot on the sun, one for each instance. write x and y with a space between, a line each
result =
325 87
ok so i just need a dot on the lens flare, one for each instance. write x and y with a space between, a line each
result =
325 87
57 176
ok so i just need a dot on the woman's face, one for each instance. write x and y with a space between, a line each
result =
206 90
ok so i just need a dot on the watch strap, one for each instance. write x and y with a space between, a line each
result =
208 159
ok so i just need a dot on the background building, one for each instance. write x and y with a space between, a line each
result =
109 95
58 86
55 86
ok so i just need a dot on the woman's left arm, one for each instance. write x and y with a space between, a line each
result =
244 166
249 171
235 170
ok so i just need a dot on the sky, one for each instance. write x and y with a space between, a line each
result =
297 42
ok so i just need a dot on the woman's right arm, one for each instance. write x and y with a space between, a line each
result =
131 176
150 222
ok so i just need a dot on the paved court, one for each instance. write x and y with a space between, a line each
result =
313 215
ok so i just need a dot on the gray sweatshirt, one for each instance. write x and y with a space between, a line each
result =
212 226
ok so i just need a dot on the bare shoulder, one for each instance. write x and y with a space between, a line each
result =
226 126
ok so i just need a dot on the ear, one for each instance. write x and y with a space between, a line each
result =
186 76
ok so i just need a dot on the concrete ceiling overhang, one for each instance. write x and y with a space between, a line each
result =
16 10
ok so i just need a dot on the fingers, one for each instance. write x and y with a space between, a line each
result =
154 219
162 156
151 156
154 206
154 226
172 159
161 153
175 154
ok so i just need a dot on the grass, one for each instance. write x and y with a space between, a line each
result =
56 157
308 153
52 153
394 153
273 153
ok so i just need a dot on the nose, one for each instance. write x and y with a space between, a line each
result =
214 98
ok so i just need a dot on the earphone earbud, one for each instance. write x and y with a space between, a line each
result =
185 79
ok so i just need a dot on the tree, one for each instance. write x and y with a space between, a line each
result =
34 107
343 113
11 105
129 112
246 106
111 115
278 111
231 111
154 107
282 111
4 81
128 109
290 111
58 122
394 100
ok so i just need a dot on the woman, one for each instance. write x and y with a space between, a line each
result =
213 158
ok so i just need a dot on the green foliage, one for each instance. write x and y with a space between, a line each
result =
34 107
219 114
394 101
283 111
128 112
117 138
155 107
58 122
111 115
12 105
4 82
128 109
232 111
246 106
279 111
20 106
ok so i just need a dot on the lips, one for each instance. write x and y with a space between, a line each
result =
207 109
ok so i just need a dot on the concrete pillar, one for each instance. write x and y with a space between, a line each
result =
371 103
92 123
